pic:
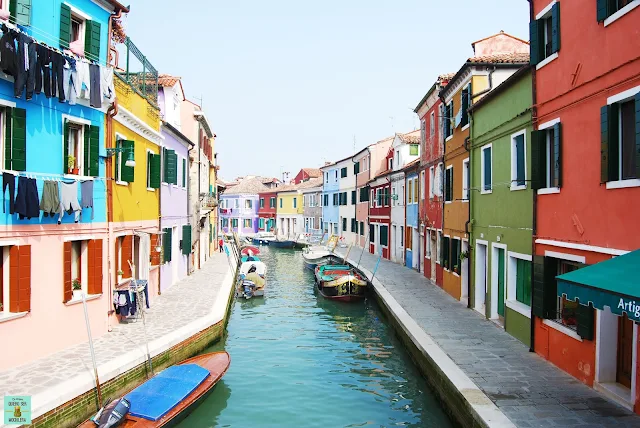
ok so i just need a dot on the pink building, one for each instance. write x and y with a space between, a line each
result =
368 163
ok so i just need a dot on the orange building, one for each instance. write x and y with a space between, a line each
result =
495 59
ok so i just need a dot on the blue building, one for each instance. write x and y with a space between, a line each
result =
50 258
330 199
412 244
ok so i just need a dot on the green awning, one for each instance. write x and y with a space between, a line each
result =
614 283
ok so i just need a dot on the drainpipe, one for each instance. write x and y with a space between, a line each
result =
189 202
534 196
467 147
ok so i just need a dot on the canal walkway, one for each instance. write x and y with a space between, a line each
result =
190 306
528 390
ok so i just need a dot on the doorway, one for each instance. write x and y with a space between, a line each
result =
500 256
497 281
624 351
422 253
394 235
464 272
480 277
434 257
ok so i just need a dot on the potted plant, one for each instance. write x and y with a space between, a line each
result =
77 288
120 273
464 255
71 165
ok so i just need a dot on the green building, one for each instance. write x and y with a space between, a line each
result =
501 205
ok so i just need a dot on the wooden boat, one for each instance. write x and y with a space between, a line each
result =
251 284
317 256
169 396
249 258
282 244
340 282
263 238
249 250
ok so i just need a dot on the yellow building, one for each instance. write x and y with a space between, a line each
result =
289 211
134 168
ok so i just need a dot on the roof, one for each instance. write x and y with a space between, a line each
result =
500 58
117 6
167 80
202 118
515 77
312 172
310 184
412 137
501 33
250 185
411 165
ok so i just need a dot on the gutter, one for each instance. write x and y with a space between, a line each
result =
534 196
467 147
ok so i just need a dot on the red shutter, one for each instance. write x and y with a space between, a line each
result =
24 278
14 275
127 251
67 290
97 249
117 263
155 256
91 277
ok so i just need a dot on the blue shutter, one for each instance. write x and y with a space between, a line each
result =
520 166
601 8
534 42
637 100
555 28
538 159
557 153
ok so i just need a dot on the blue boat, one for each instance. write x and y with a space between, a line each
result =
263 238
282 244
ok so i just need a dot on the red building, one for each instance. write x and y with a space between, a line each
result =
431 172
585 156
267 211
380 214
306 174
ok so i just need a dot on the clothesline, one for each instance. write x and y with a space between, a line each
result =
51 177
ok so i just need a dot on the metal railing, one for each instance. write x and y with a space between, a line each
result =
139 73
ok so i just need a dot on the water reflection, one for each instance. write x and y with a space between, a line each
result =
298 359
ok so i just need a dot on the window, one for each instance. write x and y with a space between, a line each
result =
439 247
234 222
272 202
280 202
170 166
123 173
261 202
486 169
343 172
372 199
326 177
74 147
410 193
361 228
354 225
465 103
415 190
261 223
447 122
401 236
184 172
15 288
326 200
518 161
336 199
566 310
384 235
336 175
364 194
522 281
390 164
428 245
432 123
353 197
545 35
423 185
423 132
607 8
394 195
82 266
77 29
619 145
295 202
409 238
455 255
448 185
446 253
465 180
246 223
153 170
356 168
344 224
248 204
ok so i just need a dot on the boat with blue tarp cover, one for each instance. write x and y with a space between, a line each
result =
168 396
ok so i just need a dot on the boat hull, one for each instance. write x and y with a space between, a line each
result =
217 363
282 244
258 241
340 283
346 298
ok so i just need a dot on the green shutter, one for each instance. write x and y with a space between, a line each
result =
538 159
446 250
464 101
534 42
186 239
184 174
94 150
127 173
165 165
555 28
585 321
87 142
609 143
8 112
166 244
92 40
520 165
65 26
65 148
19 139
637 100
384 235
601 8
20 11
356 168
154 164
173 167
544 287
557 153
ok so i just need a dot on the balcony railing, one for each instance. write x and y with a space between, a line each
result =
138 72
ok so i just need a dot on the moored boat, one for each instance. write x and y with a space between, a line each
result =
340 282
282 243
167 397
263 238
251 279
317 256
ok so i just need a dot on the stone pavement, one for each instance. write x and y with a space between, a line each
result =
167 323
530 391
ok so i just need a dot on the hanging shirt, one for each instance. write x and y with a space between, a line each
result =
106 84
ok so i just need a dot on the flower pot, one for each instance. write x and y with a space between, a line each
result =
119 279
74 171
77 294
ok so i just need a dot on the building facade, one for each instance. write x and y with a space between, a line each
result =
412 256
495 59
239 207
432 169
289 212
312 208
586 175
501 239
380 215
41 258
330 199
306 174
267 202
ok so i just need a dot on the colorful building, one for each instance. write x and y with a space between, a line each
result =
368 163
239 206
330 199
404 150
289 211
495 59
43 260
267 202
431 172
502 209
587 176
380 214
306 174
347 200
312 207
412 241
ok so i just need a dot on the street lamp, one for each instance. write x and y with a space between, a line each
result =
131 162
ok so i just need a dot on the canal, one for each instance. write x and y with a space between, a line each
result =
300 360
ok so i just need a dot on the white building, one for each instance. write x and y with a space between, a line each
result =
348 227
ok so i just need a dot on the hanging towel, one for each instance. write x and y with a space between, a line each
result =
70 203
86 188
144 264
106 84
94 81
9 180
27 204
50 202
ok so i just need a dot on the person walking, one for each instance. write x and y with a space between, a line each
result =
221 244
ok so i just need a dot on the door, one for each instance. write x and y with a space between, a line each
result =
500 254
434 257
625 351
464 271
394 237
174 256
422 254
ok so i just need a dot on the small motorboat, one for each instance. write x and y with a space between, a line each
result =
263 238
340 282
317 256
167 397
251 279
249 249
282 243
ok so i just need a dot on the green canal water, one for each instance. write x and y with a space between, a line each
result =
299 360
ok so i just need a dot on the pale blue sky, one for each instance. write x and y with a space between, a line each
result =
288 84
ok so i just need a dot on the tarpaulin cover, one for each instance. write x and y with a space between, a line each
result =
157 396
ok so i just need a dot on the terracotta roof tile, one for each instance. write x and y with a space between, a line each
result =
251 186
166 80
412 137
501 58
312 172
